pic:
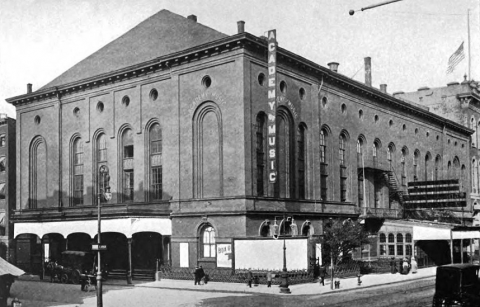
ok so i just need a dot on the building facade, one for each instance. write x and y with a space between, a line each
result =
7 185
183 125
459 102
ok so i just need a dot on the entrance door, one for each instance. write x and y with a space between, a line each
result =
146 249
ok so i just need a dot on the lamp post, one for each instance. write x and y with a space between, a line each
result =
284 275
104 190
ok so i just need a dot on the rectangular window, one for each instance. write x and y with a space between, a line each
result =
383 250
155 147
343 183
128 151
157 183
78 190
399 249
128 185
323 181
391 250
408 250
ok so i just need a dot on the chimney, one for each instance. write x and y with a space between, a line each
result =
29 88
368 71
241 26
333 66
383 88
192 17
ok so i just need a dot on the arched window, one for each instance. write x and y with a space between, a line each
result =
361 174
323 165
404 169
428 157
260 153
474 176
408 244
77 158
285 183
301 161
391 245
473 126
100 159
390 154
416 156
3 165
208 242
343 167
449 169
399 244
438 167
456 167
2 140
156 174
38 174
374 149
463 177
128 173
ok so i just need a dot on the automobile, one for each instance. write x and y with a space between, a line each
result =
73 266
457 285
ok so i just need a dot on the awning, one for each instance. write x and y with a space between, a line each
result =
127 226
442 233
8 268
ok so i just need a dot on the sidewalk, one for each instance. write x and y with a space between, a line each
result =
346 284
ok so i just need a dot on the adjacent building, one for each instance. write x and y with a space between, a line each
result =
179 115
7 185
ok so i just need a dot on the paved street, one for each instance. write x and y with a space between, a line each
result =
376 290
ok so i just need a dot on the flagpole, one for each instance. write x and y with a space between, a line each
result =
469 51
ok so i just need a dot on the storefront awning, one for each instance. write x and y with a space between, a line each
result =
442 233
127 226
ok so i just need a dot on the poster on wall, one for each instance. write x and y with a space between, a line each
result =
184 255
224 255
318 252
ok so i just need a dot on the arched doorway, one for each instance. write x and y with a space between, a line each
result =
146 249
79 242
116 255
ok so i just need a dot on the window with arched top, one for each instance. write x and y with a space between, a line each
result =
361 174
155 160
323 165
438 168
391 238
456 168
100 157
391 245
128 173
208 242
38 174
474 176
285 153
301 159
416 156
77 172
260 147
382 246
343 167
2 140
403 166
428 158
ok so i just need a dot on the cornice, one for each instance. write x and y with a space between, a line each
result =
234 42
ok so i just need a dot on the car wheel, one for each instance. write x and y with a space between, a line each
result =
76 277
64 278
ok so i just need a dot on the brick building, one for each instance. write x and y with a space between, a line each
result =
178 113
7 184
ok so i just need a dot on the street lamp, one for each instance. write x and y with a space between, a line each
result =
104 190
284 275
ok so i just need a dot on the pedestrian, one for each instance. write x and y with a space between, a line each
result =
201 274
269 279
393 265
414 265
322 274
405 266
249 278
196 274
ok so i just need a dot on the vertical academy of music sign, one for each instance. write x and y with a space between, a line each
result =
272 97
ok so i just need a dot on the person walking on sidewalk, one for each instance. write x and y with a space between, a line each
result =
249 278
322 274
405 266
414 265
269 279
196 274
201 274
393 266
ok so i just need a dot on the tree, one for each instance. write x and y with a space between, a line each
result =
341 237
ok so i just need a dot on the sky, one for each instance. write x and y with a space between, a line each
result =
409 41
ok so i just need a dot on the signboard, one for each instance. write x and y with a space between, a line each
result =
435 194
184 255
224 255
272 97
99 247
